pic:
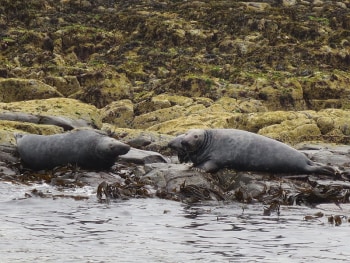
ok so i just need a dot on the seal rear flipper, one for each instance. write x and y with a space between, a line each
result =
323 169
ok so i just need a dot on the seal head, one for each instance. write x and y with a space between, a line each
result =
176 144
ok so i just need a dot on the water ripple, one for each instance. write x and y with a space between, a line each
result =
154 230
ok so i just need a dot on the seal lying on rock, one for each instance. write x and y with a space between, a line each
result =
212 149
86 148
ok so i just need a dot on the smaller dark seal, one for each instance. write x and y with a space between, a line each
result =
88 149
213 149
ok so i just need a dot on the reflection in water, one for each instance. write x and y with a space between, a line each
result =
154 230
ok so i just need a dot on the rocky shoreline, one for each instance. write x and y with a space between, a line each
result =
145 71
145 174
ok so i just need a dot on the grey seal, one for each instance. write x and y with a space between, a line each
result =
88 149
213 149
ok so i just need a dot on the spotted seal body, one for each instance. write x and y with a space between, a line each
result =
88 149
213 149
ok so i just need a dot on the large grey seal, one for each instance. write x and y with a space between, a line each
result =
212 149
89 149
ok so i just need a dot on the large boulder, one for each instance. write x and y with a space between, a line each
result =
14 89
102 88
119 113
47 116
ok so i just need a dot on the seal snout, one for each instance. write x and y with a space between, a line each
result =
185 144
171 145
119 148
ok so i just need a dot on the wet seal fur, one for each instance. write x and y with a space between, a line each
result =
88 149
213 149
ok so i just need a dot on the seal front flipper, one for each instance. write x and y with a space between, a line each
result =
208 167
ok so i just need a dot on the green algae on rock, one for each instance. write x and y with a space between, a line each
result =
13 89
60 107
119 113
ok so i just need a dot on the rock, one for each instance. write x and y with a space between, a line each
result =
64 123
255 121
326 90
256 6
338 155
173 100
8 153
100 89
119 113
152 102
198 120
80 113
145 140
66 85
13 89
288 3
45 117
138 156
334 119
147 120
292 131
8 128
181 181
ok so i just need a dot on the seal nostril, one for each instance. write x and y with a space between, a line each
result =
185 143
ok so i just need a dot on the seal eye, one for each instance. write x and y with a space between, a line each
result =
196 136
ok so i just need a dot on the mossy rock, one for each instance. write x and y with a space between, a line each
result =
100 89
255 121
173 100
13 89
273 91
119 113
293 131
287 95
227 104
197 86
200 120
141 139
9 128
327 90
65 107
157 102
66 85
158 116
329 120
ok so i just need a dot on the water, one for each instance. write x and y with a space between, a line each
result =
153 230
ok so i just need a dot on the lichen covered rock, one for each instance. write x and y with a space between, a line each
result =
13 89
70 108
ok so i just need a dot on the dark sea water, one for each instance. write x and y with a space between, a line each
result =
153 230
